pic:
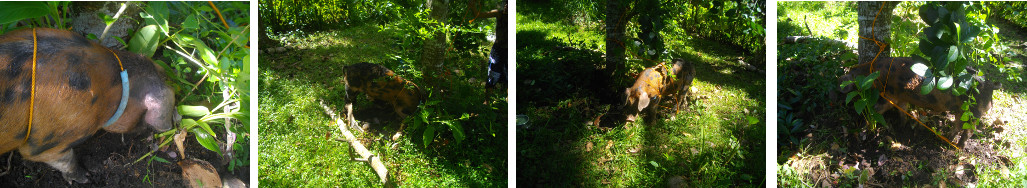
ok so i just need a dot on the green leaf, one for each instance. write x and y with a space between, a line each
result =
206 140
193 111
429 135
187 123
878 118
965 116
944 82
920 69
861 105
928 84
967 126
953 53
929 14
190 22
753 120
849 97
206 128
458 131
16 11
655 165
145 41
159 159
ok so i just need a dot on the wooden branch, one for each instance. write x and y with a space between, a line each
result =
370 158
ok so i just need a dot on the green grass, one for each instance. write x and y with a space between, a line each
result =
712 143
297 146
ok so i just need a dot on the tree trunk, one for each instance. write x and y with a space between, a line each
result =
616 20
879 30
433 55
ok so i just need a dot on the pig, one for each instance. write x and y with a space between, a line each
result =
654 83
380 84
902 86
78 88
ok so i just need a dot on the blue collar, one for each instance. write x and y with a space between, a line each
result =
124 99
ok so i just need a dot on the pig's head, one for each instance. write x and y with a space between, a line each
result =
635 99
151 99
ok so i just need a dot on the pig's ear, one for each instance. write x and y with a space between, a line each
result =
643 100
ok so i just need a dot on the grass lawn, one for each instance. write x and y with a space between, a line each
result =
832 146
718 140
297 146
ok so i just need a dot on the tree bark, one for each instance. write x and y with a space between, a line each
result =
879 30
616 20
433 55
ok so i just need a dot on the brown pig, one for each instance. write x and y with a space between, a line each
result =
902 86
78 88
654 83
380 84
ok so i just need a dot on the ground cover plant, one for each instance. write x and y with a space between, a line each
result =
567 98
456 138
827 143
202 47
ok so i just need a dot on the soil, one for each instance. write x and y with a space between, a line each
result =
108 158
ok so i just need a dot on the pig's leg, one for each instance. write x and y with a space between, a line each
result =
60 159
70 168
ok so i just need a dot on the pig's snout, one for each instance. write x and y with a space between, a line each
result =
161 114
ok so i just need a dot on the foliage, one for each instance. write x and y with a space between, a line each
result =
220 72
740 22
868 95
788 124
948 45
53 14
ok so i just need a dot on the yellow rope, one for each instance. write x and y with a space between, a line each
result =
918 121
116 57
32 90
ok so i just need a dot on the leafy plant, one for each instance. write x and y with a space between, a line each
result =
787 123
203 45
948 46
864 105
945 43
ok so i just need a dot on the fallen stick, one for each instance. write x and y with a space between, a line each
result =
370 158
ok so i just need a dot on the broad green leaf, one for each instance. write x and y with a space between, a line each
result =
206 140
193 111
145 41
929 14
429 134
15 11
188 123
861 105
965 116
919 69
190 22
458 131
878 118
967 126
953 53
849 97
945 82
928 84
206 128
